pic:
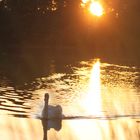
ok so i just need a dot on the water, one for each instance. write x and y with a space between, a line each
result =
120 90
23 84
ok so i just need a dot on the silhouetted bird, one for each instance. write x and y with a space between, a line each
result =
51 112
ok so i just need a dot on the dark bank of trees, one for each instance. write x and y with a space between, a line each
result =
61 24
33 6
35 22
46 5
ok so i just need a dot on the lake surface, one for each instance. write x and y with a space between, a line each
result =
112 93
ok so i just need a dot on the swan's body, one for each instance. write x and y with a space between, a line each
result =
51 112
55 112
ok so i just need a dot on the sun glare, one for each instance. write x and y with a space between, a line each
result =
92 101
96 8
85 1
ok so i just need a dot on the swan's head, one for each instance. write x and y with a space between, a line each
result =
46 97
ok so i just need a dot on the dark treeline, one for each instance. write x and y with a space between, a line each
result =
59 24
33 6
38 22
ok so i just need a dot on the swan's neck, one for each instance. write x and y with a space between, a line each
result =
45 110
46 106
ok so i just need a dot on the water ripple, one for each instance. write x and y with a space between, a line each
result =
120 91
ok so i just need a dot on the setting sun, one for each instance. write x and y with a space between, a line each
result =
85 1
96 8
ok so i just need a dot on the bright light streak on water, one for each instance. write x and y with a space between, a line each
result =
92 100
118 94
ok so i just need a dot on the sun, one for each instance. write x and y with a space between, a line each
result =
96 8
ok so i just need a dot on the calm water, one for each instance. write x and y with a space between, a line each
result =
24 80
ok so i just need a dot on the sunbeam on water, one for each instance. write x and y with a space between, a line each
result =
92 101
86 100
87 88
97 101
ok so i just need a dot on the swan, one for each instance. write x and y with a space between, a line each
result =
49 111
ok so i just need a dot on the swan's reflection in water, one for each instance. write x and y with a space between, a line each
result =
48 124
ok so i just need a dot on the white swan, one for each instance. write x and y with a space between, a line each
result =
51 112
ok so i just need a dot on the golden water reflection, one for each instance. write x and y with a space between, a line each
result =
108 92
86 88
92 100
26 129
